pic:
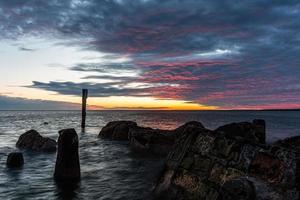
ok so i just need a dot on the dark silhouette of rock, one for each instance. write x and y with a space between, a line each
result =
15 159
150 141
67 168
292 143
143 139
205 164
260 126
188 125
248 188
117 130
32 140
254 132
240 188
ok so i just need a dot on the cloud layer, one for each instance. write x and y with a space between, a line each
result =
14 103
223 53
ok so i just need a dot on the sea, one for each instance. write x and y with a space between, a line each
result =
109 169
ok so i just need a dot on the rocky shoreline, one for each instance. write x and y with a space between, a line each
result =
230 162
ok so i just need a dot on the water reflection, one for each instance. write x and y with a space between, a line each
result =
14 174
67 190
109 169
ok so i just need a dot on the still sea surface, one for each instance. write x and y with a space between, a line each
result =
109 170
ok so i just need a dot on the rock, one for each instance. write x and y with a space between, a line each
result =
245 188
15 160
254 132
292 143
205 164
240 188
67 167
145 140
117 130
191 124
156 141
260 126
32 140
150 141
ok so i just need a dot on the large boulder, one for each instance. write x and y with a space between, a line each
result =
207 165
145 140
248 188
117 130
192 124
292 143
15 159
150 141
67 167
32 140
254 132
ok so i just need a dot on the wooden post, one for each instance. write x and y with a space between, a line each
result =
84 97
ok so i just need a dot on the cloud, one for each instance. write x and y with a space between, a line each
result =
109 68
223 53
95 89
14 103
25 49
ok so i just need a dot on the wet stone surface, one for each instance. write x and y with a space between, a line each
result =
211 165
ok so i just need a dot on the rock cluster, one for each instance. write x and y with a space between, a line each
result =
32 140
231 162
143 139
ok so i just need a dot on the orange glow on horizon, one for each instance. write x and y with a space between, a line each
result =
110 103
143 103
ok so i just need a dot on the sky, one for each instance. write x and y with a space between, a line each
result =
150 54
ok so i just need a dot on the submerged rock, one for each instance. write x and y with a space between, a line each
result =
207 164
15 159
32 140
67 167
117 130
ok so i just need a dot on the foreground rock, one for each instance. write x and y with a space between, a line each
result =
207 164
67 167
15 160
32 140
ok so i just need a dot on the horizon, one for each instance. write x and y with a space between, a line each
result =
290 109
150 55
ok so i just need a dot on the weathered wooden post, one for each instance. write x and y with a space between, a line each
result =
84 97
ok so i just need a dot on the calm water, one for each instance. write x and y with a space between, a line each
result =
109 169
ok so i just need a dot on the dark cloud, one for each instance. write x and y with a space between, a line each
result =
95 89
226 53
25 49
105 67
14 103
